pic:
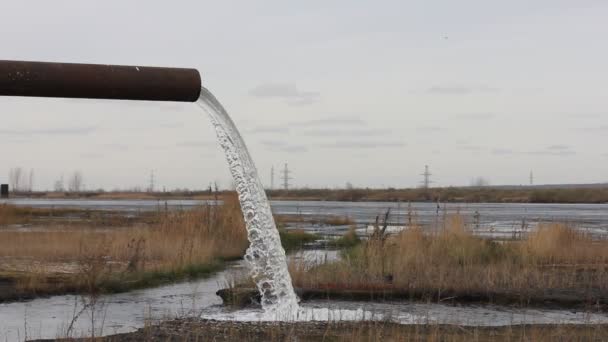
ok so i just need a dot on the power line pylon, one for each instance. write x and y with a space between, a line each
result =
531 178
151 188
272 178
286 177
427 177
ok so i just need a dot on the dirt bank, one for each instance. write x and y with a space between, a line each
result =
209 330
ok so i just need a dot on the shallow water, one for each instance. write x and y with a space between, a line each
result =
416 313
126 312
497 218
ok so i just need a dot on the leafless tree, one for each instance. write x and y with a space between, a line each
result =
30 181
15 178
59 185
480 182
75 182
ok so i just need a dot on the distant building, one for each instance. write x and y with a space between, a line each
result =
4 191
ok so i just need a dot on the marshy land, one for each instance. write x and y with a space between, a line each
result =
91 253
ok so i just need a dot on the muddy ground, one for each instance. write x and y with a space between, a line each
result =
210 330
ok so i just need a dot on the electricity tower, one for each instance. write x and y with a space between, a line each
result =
272 177
151 187
531 178
286 177
427 177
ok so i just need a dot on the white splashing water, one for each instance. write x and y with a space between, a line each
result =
265 254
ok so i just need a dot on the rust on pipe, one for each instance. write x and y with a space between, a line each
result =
98 81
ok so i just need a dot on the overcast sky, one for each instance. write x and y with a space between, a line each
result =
366 92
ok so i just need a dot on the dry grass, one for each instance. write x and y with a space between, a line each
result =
337 221
455 261
171 242
597 194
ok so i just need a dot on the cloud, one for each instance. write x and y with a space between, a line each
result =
269 129
332 121
193 143
283 146
551 153
502 151
470 147
51 131
362 144
91 155
171 125
558 147
428 128
116 146
285 91
474 116
345 133
553 150
600 128
584 116
460 90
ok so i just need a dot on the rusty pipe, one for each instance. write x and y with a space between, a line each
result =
98 81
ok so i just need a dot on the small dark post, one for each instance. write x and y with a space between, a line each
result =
4 191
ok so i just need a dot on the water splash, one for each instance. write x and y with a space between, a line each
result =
265 254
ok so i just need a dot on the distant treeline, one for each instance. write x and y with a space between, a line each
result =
452 194
490 194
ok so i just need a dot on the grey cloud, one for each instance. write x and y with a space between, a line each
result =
172 125
193 143
470 147
475 116
558 147
361 144
429 128
502 151
345 133
283 146
597 128
584 116
460 90
551 153
51 131
285 91
269 129
116 146
155 147
332 121
91 155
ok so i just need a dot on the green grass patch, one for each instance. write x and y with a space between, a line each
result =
295 239
348 240
137 280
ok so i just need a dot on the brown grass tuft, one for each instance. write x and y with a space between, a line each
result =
555 257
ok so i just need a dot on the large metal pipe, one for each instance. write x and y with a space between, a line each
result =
98 81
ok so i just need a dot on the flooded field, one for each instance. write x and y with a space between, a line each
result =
72 315
495 219
126 312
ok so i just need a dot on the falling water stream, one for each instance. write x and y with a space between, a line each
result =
265 254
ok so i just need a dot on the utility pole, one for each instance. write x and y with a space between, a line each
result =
531 178
427 177
151 188
286 178
272 177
